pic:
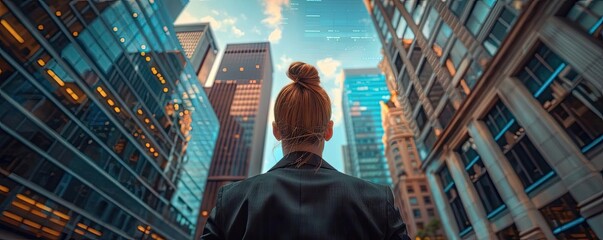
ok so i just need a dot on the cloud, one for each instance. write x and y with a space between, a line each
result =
284 63
215 12
214 23
336 98
275 35
328 67
274 11
186 17
237 32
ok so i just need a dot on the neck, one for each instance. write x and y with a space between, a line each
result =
316 149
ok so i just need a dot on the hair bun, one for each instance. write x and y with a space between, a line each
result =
303 73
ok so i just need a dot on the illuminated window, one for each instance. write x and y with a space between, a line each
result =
442 37
257 66
241 69
224 69
455 57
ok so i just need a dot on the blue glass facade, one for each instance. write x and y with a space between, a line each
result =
104 130
363 90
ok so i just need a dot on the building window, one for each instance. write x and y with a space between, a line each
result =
430 140
457 53
410 189
446 115
421 119
574 102
430 23
525 159
400 27
470 79
408 38
454 201
418 12
482 182
398 63
458 7
430 212
427 200
589 16
425 73
509 233
563 216
224 69
416 213
498 33
413 201
423 188
442 37
413 98
479 14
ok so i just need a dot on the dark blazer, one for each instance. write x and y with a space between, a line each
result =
313 201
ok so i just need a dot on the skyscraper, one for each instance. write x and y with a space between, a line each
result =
97 105
362 91
200 46
240 96
411 191
505 101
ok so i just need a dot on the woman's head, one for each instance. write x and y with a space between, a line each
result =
302 111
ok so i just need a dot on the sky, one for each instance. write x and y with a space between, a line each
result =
329 34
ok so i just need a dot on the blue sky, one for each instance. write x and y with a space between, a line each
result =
329 34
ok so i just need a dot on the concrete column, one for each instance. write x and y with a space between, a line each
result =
576 172
441 202
575 46
529 221
471 201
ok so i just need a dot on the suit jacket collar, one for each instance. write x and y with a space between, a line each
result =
289 161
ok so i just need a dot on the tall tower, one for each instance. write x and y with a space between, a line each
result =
362 91
505 101
200 46
98 112
240 96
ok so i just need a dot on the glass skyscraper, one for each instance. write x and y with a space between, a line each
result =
505 100
363 90
104 128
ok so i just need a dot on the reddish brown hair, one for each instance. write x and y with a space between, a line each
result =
302 110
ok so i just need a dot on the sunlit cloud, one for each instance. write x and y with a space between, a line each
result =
213 22
276 35
274 11
186 17
328 66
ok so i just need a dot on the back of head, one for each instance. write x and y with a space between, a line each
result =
302 110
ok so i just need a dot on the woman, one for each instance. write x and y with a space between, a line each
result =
302 196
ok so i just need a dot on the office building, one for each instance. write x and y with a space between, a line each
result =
363 89
200 46
505 101
410 187
98 111
240 96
